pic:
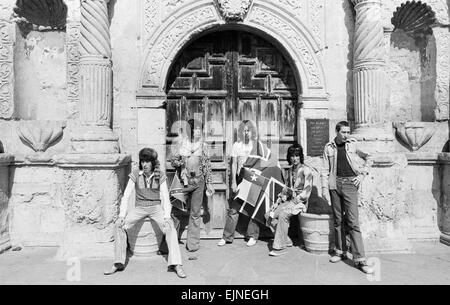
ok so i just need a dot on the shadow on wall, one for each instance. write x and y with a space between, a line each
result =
2 150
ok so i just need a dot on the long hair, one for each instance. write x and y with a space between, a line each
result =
295 150
148 155
194 123
251 126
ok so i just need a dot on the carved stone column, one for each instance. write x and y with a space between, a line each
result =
370 85
95 134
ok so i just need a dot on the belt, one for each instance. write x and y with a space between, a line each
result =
148 203
346 178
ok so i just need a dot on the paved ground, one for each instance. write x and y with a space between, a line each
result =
232 264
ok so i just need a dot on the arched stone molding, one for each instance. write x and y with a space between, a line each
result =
270 18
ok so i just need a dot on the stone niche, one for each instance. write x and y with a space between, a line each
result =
40 59
412 69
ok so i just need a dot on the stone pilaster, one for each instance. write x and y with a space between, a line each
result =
5 161
370 85
7 38
442 110
444 205
95 134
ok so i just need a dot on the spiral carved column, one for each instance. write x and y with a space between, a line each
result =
95 81
369 75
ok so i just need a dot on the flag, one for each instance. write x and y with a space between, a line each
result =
178 194
250 187
259 191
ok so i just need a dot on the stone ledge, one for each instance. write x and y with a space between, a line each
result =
422 158
92 160
72 160
6 159
444 158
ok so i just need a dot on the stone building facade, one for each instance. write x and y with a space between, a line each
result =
86 83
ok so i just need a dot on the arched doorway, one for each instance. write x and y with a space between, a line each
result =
221 79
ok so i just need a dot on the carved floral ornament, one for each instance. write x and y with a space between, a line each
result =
234 10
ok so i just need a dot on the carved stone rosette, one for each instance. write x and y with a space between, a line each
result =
234 10
369 71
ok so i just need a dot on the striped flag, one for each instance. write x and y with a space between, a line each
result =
259 191
177 193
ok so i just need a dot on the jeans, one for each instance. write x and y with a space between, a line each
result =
280 223
166 227
197 189
231 223
344 201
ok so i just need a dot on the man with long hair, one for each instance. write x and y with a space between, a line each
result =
292 201
247 145
192 159
152 200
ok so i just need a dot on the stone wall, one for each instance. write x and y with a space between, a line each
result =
40 76
5 161
444 205
69 201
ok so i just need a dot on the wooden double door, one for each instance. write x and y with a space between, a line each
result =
222 79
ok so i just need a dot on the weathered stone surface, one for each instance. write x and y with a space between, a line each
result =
444 204
71 199
5 161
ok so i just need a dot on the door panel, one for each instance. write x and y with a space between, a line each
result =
222 79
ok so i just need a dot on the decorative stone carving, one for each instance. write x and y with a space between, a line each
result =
369 79
414 134
317 19
442 110
40 135
95 38
160 52
413 17
91 197
95 135
6 70
234 10
96 90
38 14
73 35
268 19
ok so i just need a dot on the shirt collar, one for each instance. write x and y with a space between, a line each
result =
141 173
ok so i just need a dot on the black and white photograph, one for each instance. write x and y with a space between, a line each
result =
225 149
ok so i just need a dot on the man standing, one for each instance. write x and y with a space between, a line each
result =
345 167
247 152
194 162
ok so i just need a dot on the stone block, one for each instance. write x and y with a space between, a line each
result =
151 126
